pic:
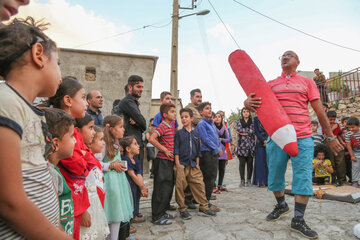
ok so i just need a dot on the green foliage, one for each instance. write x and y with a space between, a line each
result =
234 116
337 84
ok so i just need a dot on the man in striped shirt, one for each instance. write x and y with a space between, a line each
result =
294 92
163 139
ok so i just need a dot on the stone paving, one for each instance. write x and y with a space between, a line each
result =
242 216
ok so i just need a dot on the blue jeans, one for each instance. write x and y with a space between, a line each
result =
277 161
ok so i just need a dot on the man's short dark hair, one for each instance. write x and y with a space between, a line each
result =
316 69
89 96
353 121
134 79
314 122
58 121
192 92
188 110
126 89
165 107
164 94
331 114
203 105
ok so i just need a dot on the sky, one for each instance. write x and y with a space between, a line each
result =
204 43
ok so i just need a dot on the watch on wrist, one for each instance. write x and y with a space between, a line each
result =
329 139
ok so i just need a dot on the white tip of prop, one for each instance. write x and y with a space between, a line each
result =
284 136
357 230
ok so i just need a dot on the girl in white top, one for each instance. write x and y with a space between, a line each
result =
29 63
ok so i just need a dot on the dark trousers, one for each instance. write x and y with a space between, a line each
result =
348 168
222 164
136 194
140 156
151 154
208 165
321 180
248 161
163 187
124 231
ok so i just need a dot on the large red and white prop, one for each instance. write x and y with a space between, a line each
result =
271 114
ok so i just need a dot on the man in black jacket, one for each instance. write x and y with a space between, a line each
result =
134 121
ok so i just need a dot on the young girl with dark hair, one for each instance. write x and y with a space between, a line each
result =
70 97
94 184
224 138
246 146
118 204
134 174
29 64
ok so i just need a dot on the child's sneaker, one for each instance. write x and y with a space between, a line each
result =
299 225
214 208
208 212
185 215
277 212
355 185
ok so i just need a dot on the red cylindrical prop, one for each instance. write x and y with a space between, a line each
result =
271 114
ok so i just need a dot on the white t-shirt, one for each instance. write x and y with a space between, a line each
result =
27 121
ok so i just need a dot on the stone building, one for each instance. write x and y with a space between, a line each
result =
108 73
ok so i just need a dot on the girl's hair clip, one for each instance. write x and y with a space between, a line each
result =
107 125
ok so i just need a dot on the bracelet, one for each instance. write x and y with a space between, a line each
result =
142 187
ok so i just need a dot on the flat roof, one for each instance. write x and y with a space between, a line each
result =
155 58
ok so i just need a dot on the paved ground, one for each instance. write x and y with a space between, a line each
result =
242 216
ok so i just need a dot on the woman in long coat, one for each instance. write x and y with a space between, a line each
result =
261 171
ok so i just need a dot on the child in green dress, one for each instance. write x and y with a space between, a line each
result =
118 204
61 127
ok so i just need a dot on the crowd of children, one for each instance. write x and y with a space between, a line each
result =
88 176
342 168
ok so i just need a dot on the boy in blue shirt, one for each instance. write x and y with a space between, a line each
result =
188 173
210 150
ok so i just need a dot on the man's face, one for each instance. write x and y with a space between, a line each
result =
196 99
317 72
167 99
289 60
186 119
136 90
9 8
96 101
206 112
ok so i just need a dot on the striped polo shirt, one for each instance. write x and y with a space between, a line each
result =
294 92
166 135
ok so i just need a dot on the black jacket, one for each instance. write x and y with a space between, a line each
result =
129 108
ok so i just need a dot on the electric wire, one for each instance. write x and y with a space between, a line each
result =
295 29
224 25
130 31
126 32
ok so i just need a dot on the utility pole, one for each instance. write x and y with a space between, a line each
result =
174 52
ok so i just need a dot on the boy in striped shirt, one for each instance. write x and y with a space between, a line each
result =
352 140
163 139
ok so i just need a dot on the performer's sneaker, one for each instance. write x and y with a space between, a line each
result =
277 212
299 225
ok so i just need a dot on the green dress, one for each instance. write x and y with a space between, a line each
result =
118 203
66 207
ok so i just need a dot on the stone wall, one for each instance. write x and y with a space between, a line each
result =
349 107
108 73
